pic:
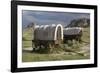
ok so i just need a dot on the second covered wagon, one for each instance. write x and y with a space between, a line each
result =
71 33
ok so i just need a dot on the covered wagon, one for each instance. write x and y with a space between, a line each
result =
47 35
72 33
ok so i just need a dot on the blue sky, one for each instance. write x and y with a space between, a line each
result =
45 17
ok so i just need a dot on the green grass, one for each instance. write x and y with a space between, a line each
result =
34 57
86 35
27 38
27 34
56 52
27 44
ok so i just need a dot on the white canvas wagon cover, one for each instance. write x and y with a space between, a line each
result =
48 32
72 30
